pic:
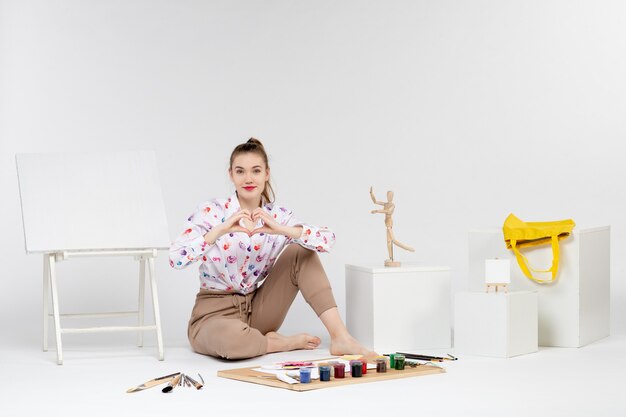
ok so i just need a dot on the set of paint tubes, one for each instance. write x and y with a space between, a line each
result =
358 367
337 370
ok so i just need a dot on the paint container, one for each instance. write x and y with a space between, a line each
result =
386 358
305 375
340 370
320 364
364 362
392 360
399 362
381 365
325 373
356 369
332 368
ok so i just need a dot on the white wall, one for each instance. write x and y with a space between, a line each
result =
468 110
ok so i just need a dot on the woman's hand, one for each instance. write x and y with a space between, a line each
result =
272 227
231 225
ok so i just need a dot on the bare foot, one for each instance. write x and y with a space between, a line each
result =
277 342
348 345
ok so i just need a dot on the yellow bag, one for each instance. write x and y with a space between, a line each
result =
519 234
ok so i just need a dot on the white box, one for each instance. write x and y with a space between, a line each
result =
394 309
573 311
499 325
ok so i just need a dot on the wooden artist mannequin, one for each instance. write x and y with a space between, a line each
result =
388 208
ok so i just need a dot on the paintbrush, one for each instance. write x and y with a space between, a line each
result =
173 382
193 381
428 357
153 382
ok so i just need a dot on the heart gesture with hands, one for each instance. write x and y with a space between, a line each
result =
243 221
270 226
234 223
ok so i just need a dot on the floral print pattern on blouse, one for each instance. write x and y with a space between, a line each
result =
236 262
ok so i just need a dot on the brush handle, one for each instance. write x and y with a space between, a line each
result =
193 382
150 384
172 384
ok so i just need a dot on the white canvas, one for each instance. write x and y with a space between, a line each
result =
95 200
497 271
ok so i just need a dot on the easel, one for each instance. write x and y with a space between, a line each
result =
126 217
497 275
496 286
50 295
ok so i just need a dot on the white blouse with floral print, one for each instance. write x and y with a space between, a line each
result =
236 262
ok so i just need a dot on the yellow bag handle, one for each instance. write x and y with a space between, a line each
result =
524 264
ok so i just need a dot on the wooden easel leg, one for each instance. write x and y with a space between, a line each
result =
55 308
46 299
142 291
155 304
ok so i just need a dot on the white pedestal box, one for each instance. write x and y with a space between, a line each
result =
498 325
399 308
574 310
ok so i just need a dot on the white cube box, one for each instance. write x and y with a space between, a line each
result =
399 308
574 310
497 325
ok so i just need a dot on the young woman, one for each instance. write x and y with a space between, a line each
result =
247 281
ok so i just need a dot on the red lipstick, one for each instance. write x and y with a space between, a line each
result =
249 188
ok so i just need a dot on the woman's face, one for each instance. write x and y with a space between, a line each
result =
249 174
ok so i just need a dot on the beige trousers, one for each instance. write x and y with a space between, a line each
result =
233 326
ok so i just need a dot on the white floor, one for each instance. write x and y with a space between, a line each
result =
93 381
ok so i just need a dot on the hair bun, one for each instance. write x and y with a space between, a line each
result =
255 141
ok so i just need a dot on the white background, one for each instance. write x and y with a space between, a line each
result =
467 110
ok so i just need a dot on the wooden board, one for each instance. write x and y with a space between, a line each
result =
250 375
